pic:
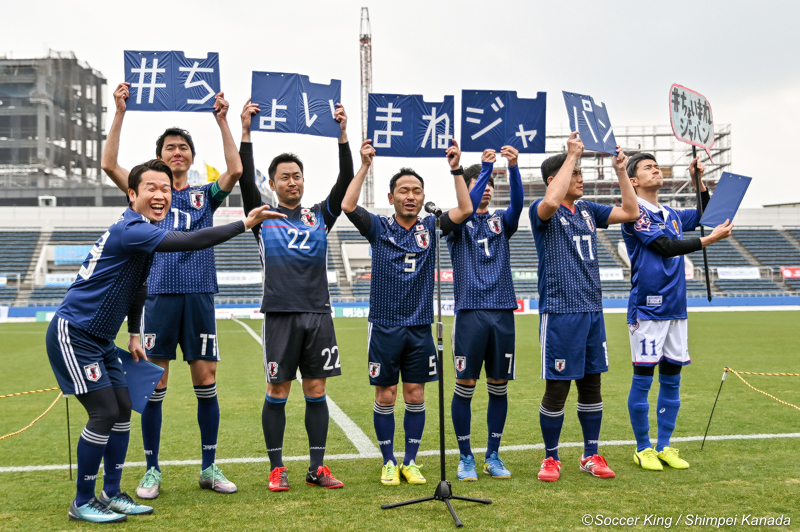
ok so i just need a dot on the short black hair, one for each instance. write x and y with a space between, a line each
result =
156 165
552 165
174 132
634 160
471 173
401 173
283 158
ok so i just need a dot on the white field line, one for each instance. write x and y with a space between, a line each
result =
477 451
362 443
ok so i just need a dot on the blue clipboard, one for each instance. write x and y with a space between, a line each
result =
727 197
142 378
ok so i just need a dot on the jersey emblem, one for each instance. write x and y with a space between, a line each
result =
197 199
308 217
469 224
654 301
374 369
494 224
560 364
149 341
93 372
423 238
273 368
643 223
675 225
633 327
564 221
588 219
461 363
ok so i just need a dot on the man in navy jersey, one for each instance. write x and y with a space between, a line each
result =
111 284
401 303
298 332
657 319
180 303
572 332
483 329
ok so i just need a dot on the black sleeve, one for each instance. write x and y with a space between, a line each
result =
135 310
447 225
361 219
251 197
332 208
672 248
705 197
202 239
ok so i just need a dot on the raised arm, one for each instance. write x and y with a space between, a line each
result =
559 186
465 208
629 211
487 166
339 188
511 215
251 197
233 172
108 162
350 200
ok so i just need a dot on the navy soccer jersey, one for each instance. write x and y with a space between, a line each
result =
658 283
482 261
187 272
569 271
115 269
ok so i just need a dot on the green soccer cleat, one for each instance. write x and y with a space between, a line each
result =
412 474
669 455
648 459
94 512
390 474
211 478
150 484
123 504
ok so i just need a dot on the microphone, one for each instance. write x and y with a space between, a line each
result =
433 209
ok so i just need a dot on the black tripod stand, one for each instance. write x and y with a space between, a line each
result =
443 490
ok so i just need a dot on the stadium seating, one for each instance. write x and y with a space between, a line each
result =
7 295
48 293
84 236
769 246
748 286
16 251
720 255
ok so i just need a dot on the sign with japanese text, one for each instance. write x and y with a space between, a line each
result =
591 120
493 119
691 118
170 81
408 126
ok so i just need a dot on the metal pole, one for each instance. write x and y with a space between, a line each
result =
702 229
440 349
724 373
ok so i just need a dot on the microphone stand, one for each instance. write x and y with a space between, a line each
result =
443 491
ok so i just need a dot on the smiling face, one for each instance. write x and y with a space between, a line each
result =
288 184
177 153
408 197
153 197
648 175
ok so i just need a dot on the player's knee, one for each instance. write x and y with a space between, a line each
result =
279 390
665 367
466 382
497 390
313 387
123 404
386 395
413 393
644 371
589 389
555 395
102 417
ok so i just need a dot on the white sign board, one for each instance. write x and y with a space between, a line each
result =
611 274
750 272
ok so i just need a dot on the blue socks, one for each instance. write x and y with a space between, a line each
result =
91 447
273 423
461 412
591 418
496 415
317 429
114 457
413 425
383 419
151 427
208 419
551 423
669 402
639 410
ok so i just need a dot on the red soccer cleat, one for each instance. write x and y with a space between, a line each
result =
279 479
323 478
597 466
550 470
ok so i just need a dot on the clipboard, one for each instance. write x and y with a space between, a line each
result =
727 197
142 378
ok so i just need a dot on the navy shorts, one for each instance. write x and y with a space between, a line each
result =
573 345
188 320
299 340
396 350
82 363
484 336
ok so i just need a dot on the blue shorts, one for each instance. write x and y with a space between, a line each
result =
572 345
406 350
82 363
484 336
187 320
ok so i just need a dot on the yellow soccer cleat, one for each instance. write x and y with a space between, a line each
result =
669 455
411 473
390 474
648 459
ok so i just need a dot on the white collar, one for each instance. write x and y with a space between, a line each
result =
653 208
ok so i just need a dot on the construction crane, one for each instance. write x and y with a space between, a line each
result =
365 45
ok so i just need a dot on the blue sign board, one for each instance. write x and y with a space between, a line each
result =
408 126
170 81
493 119
590 119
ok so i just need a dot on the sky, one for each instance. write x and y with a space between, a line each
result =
627 54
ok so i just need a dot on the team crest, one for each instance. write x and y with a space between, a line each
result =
675 225
93 372
423 238
560 364
149 341
643 223
494 224
589 221
273 368
633 327
461 363
374 369
308 217
197 199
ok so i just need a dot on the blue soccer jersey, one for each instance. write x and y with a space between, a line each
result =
658 283
115 269
187 272
569 271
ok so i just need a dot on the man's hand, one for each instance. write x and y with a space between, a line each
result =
453 154
489 156
260 214
620 162
367 153
694 167
221 106
574 146
511 154
121 94
340 116
248 111
135 348
720 232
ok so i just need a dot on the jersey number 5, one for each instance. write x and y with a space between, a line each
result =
411 261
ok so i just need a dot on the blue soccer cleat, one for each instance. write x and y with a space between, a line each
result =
122 503
94 512
466 469
495 467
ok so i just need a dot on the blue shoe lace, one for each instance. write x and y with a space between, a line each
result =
496 466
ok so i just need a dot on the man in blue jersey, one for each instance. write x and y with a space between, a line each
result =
657 319
483 329
401 303
180 303
111 284
298 333
572 332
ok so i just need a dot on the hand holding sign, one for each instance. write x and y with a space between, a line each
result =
591 120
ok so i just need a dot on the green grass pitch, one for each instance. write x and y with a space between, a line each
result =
729 478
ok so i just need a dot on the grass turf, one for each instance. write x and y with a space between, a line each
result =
728 478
